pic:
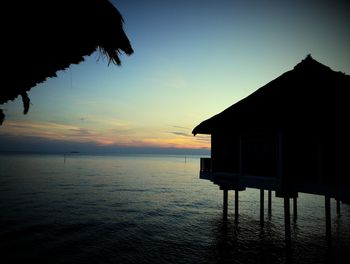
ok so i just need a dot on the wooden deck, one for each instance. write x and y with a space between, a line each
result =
237 181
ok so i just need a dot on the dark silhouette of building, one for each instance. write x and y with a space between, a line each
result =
42 37
291 135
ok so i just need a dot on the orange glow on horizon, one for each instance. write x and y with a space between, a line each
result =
133 137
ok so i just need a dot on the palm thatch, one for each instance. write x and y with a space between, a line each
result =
309 97
42 37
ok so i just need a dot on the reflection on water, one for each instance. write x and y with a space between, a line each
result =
249 242
147 209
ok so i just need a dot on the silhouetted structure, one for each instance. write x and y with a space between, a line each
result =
290 136
43 37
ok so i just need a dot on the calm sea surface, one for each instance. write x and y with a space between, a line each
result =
148 209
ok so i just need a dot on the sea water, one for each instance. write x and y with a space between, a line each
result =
148 209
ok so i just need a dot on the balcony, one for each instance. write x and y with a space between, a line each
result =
205 169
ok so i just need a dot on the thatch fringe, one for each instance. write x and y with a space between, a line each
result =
47 36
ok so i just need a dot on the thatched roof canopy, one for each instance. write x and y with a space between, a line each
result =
311 96
42 37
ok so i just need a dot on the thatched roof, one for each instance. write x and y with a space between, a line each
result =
311 96
42 37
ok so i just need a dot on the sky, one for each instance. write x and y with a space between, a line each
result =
192 60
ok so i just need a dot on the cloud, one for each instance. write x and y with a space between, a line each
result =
180 134
204 139
104 133
31 144
79 132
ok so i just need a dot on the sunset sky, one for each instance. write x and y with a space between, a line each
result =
193 59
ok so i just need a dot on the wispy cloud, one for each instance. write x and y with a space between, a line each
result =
80 132
109 132
204 139
180 134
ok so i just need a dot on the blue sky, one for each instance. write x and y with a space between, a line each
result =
192 60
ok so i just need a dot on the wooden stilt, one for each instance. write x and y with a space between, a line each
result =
269 209
261 206
338 207
236 206
287 223
225 191
328 218
295 208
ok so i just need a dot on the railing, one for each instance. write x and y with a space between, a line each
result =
205 164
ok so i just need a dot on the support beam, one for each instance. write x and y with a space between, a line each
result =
269 209
287 223
295 208
225 191
236 206
241 168
338 207
261 206
327 204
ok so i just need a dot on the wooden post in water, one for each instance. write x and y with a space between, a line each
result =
225 191
236 206
327 204
338 207
295 208
269 203
287 222
261 206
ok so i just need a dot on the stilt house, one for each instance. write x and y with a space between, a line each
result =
290 136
